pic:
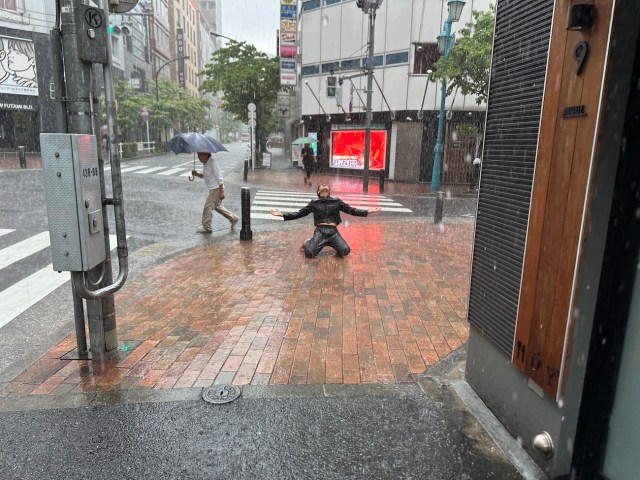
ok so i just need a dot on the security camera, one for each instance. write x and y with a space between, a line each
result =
419 49
429 72
306 82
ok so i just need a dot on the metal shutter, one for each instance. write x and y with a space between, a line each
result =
520 48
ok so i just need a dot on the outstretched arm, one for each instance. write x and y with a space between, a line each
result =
374 210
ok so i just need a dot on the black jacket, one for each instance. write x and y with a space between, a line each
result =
326 210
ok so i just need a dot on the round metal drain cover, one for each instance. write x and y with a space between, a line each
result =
221 393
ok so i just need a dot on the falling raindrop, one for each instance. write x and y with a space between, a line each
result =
448 194
561 403
454 136
325 20
441 227
445 167
468 158
519 440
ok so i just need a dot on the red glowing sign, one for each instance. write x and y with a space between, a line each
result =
347 149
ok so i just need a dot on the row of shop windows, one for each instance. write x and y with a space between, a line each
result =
313 4
425 55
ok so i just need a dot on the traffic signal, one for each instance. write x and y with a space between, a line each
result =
332 83
123 29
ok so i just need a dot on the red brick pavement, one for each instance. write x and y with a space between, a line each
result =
260 313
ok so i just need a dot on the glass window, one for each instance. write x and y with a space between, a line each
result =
395 58
311 4
353 64
310 70
331 2
8 4
425 55
378 61
330 67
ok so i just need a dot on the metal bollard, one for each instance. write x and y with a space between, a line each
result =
22 156
246 169
381 180
245 232
437 217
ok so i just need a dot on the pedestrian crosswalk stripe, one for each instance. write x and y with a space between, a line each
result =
260 208
173 171
23 249
289 201
151 170
132 169
4 231
301 204
309 198
22 295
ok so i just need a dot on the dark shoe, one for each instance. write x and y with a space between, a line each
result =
202 230
233 222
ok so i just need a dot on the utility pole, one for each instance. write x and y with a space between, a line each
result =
84 42
369 7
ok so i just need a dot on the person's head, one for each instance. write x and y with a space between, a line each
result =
21 55
204 156
324 190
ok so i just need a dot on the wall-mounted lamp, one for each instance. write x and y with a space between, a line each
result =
580 16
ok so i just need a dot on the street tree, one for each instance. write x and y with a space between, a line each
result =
469 62
245 75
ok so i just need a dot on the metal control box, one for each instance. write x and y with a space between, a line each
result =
74 203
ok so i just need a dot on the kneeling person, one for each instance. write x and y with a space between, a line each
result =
326 218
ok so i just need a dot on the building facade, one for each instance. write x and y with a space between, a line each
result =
333 42
26 106
554 297
184 23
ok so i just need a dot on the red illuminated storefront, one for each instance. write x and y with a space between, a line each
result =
347 149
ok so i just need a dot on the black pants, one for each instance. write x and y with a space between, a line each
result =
326 236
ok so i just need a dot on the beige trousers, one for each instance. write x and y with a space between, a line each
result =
212 203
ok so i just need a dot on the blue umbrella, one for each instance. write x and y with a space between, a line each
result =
192 142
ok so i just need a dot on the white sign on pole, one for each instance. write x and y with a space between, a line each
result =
252 123
251 107
252 115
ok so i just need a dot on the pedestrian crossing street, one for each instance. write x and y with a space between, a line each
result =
288 201
180 170
20 296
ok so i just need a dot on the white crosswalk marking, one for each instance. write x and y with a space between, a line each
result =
173 171
22 295
4 231
132 169
23 249
151 170
287 201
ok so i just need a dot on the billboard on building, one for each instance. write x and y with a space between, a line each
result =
180 43
347 149
288 48
17 66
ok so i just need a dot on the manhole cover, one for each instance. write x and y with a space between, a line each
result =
263 272
221 393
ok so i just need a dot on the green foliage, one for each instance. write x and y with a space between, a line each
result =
469 62
245 75
175 107
129 149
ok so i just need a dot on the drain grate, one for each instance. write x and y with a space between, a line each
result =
221 393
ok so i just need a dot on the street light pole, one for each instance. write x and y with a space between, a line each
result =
445 43
367 132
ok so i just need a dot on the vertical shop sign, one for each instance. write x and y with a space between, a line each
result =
180 40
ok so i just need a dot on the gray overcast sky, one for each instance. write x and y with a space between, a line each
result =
252 21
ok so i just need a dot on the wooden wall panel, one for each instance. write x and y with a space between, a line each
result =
560 184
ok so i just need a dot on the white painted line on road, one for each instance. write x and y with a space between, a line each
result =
21 296
370 204
345 199
313 194
265 216
4 231
363 207
23 249
172 171
132 169
151 170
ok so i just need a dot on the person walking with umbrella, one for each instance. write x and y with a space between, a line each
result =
213 181
308 160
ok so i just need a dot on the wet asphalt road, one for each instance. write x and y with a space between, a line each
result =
401 434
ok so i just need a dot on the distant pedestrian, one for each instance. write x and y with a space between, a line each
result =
326 218
308 161
213 180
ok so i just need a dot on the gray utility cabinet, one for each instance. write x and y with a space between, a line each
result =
74 203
